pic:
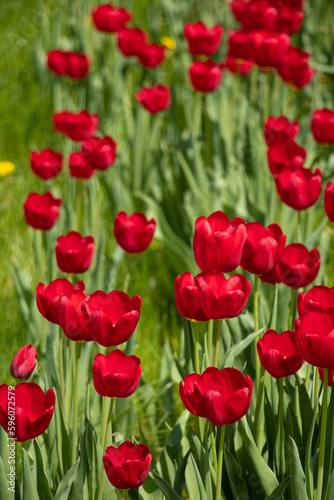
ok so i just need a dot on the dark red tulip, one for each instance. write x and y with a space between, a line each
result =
41 211
48 297
71 317
221 396
286 155
238 67
330 375
280 130
271 277
255 15
203 41
133 232
24 362
315 338
329 201
318 298
79 167
299 188
127 466
74 253
116 375
46 164
269 48
294 68
152 55
240 45
322 126
32 408
111 318
298 4
279 354
263 248
154 99
131 41
67 63
289 20
57 62
298 267
77 126
188 297
110 19
223 298
100 153
205 76
218 242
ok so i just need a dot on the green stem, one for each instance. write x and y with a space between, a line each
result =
258 402
61 374
299 223
213 445
196 348
220 463
308 373
292 308
281 426
105 442
315 387
322 437
220 321
105 411
210 333
256 326
197 114
76 356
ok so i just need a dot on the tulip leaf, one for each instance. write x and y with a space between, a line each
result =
308 457
42 480
4 495
179 481
166 488
237 484
28 486
236 349
328 464
204 463
65 485
306 411
194 483
296 473
279 490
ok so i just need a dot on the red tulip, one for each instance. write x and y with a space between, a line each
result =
79 167
41 211
77 126
131 41
202 40
111 318
110 19
24 362
263 248
152 55
238 67
240 45
133 232
298 267
322 126
127 466
298 4
255 15
294 68
71 317
318 298
48 297
269 48
271 276
289 20
315 337
154 99
33 410
71 64
286 155
46 164
218 243
188 297
279 354
280 131
221 396
330 376
205 76
329 201
116 375
74 253
223 298
299 188
100 153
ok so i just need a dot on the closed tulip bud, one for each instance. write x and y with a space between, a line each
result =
205 76
322 126
131 41
318 298
280 131
24 362
41 211
221 396
71 64
74 253
286 155
299 188
79 167
111 318
127 466
71 317
33 410
269 48
48 297
315 337
188 297
116 375
329 201
100 153
57 62
279 354
294 68
110 19
202 40
77 126
298 267
134 233
46 164
152 55
154 99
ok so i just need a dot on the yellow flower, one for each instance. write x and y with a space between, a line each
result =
6 168
168 42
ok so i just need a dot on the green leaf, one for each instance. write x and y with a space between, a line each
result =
237 484
179 481
28 485
296 473
308 457
166 488
236 349
65 485
43 482
4 495
194 483
278 492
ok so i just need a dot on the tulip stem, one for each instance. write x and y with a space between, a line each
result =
322 437
77 352
315 387
210 332
215 364
61 374
106 424
292 307
256 326
213 445
308 373
258 402
220 463
281 426
196 347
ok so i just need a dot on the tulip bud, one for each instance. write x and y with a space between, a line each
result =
202 40
24 362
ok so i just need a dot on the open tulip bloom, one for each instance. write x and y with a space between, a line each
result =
279 354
